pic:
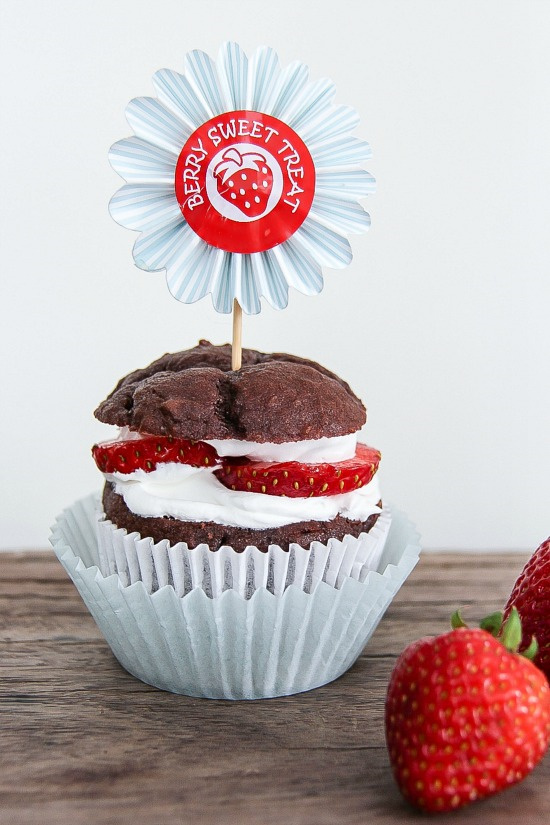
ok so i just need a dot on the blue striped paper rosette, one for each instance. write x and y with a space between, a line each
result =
243 178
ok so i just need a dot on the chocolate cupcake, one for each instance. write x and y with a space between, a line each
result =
266 455
241 549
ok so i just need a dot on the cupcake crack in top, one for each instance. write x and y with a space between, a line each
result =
264 455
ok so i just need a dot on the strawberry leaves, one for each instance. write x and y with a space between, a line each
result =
507 631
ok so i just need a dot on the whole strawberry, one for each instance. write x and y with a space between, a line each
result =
466 715
531 596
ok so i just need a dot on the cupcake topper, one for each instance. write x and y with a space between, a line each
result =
242 179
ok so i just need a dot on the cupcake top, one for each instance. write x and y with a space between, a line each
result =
194 394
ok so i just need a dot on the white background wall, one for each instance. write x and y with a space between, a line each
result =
440 323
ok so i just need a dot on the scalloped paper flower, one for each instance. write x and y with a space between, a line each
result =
243 179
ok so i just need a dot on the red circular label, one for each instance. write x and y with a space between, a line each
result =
245 181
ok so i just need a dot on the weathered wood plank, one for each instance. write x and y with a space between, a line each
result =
82 741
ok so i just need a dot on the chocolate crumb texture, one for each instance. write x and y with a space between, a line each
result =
194 394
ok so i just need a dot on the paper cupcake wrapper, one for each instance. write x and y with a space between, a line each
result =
134 559
231 647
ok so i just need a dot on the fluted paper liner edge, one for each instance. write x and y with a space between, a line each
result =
231 647
134 558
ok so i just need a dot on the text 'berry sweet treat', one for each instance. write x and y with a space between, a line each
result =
243 179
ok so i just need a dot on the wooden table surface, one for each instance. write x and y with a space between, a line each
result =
82 741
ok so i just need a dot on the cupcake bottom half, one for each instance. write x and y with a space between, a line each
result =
217 535
229 644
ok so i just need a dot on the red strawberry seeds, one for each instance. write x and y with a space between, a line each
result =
531 596
465 718
298 480
145 453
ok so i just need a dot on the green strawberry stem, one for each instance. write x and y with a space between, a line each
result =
457 620
492 623
531 651
508 633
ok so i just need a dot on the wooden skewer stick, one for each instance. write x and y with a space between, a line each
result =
236 346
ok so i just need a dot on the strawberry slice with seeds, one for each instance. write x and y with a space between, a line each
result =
298 480
147 452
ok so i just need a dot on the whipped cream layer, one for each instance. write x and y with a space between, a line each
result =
195 494
313 451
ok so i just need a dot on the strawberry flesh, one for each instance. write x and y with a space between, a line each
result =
298 480
145 453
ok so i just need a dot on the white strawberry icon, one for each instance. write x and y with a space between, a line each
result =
245 180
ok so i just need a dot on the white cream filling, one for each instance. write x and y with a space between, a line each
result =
195 494
310 451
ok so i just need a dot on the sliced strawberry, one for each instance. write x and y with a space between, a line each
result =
298 480
145 453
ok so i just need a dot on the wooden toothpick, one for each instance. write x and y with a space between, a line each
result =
236 346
